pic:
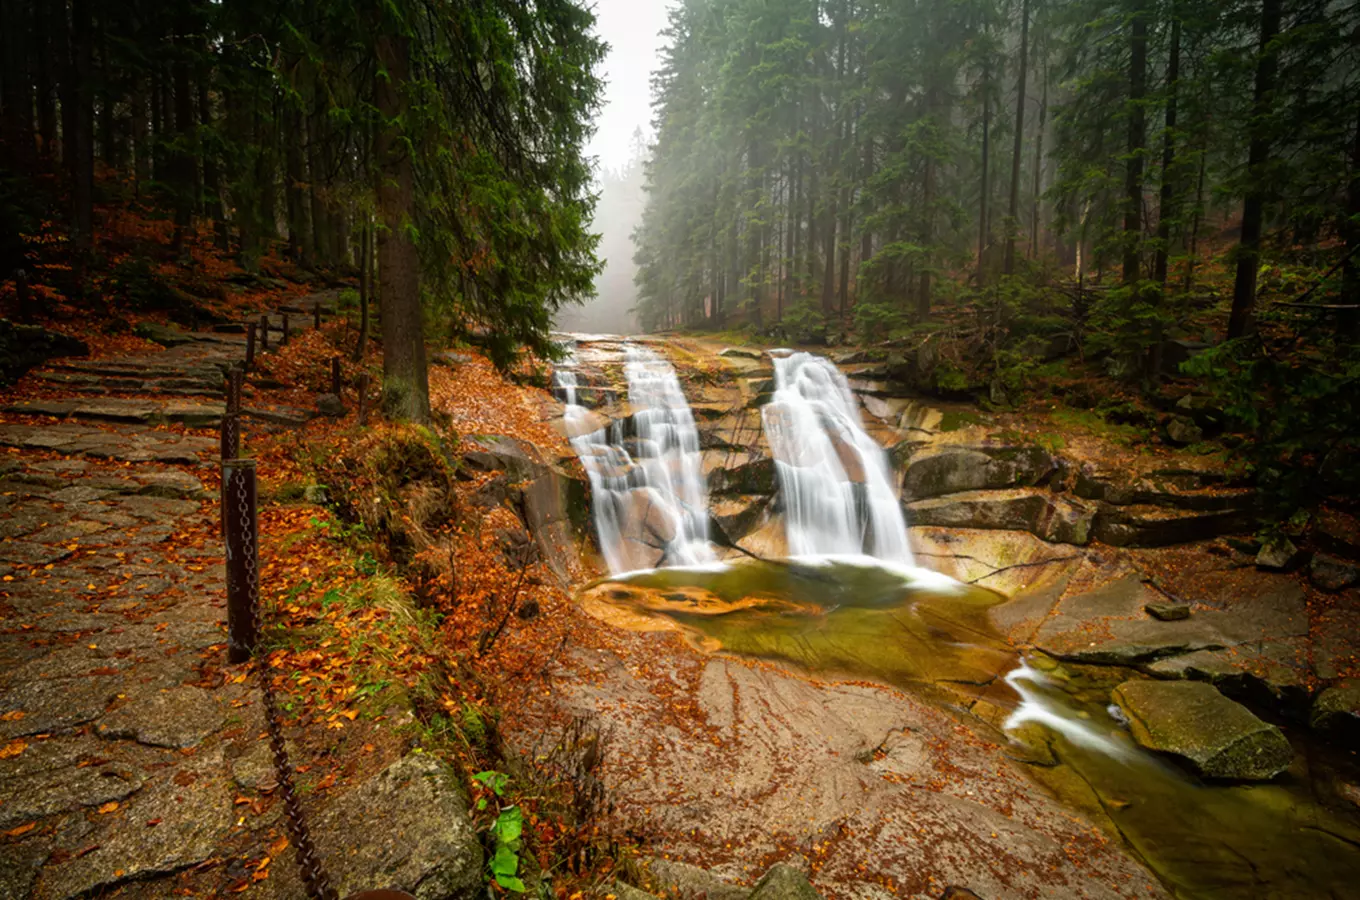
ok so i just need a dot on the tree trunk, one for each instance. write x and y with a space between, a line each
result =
81 120
212 170
986 188
1038 167
1167 204
321 226
365 286
299 214
18 87
1133 173
185 164
46 23
406 388
1013 214
1241 320
1348 322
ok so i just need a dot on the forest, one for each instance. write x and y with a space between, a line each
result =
431 147
997 184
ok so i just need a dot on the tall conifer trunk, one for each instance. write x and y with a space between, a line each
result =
1013 214
1242 319
406 387
1133 172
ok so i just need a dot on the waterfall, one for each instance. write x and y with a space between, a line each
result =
646 473
837 492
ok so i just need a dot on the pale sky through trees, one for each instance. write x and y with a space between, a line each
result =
632 30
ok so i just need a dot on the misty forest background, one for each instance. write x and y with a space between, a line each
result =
1144 209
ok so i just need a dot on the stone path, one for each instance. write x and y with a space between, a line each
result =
125 755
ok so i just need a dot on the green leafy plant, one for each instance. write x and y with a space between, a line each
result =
506 833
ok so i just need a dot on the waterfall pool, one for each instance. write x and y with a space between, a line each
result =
853 618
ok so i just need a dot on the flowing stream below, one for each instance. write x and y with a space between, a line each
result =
849 604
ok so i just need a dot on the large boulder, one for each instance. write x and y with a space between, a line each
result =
935 471
1045 515
24 346
426 843
1217 737
1158 526
1336 711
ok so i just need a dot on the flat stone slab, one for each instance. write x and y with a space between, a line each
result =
166 827
1218 737
55 705
179 718
31 553
111 443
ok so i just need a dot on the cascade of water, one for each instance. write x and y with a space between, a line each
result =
647 481
1034 688
834 478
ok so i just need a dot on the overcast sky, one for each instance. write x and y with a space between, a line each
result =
631 28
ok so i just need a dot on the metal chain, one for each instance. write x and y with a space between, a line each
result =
313 874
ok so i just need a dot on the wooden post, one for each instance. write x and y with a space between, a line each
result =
23 308
231 436
264 333
235 377
335 375
316 314
283 341
240 531
250 345
363 399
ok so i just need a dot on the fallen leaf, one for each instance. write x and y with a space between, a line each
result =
22 829
108 807
13 748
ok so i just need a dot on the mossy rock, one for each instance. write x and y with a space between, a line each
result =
1217 737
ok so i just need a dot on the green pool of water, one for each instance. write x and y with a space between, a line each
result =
1297 836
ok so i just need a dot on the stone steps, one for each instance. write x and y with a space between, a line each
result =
151 412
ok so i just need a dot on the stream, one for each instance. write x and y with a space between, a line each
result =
849 604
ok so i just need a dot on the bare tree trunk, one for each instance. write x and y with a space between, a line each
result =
365 286
82 124
1167 204
1038 167
1133 173
1241 320
983 225
1013 214
406 388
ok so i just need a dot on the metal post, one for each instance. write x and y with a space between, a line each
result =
235 376
316 314
264 333
283 341
335 375
250 345
363 399
240 530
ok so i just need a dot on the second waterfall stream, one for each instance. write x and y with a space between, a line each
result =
834 478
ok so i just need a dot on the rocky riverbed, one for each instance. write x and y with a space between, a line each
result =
1134 563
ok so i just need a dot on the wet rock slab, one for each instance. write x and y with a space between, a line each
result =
166 827
180 717
1218 737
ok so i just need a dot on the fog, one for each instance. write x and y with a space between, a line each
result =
632 29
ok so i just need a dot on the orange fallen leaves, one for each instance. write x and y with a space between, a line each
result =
21 830
13 748
106 808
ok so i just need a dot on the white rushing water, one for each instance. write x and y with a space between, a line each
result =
1038 704
651 503
834 478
